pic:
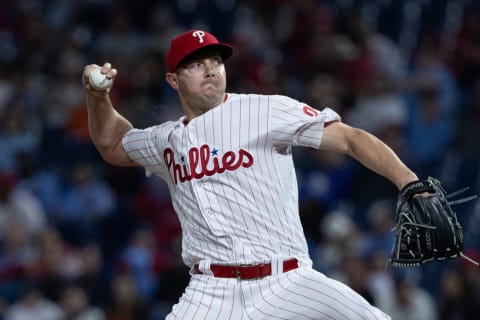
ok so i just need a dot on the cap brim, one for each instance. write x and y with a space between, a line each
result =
224 49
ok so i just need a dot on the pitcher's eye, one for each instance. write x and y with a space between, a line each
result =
194 67
217 60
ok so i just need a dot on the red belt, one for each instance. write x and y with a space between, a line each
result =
246 271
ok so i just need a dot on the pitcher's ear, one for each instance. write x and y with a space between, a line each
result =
172 80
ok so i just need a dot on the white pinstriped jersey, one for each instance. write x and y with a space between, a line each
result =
231 176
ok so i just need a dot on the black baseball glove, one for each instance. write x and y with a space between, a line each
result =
427 228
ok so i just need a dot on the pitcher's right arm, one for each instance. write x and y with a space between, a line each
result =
106 126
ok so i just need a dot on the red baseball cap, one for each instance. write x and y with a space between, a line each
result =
191 41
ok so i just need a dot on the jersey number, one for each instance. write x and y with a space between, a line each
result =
309 111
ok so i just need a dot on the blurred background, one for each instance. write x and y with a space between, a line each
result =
83 240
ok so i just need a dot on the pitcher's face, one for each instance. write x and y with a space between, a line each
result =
200 81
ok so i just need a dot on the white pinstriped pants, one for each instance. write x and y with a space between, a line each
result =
299 294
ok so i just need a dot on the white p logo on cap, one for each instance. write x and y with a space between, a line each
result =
199 35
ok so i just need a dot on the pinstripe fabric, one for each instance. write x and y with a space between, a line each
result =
242 206
232 182
301 294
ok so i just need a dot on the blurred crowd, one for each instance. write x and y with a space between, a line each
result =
83 240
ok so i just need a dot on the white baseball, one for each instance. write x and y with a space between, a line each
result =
98 80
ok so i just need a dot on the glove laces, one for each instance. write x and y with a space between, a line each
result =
458 201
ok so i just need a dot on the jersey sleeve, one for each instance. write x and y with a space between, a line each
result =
143 147
295 123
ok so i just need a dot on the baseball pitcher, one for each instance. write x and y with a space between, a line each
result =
228 165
